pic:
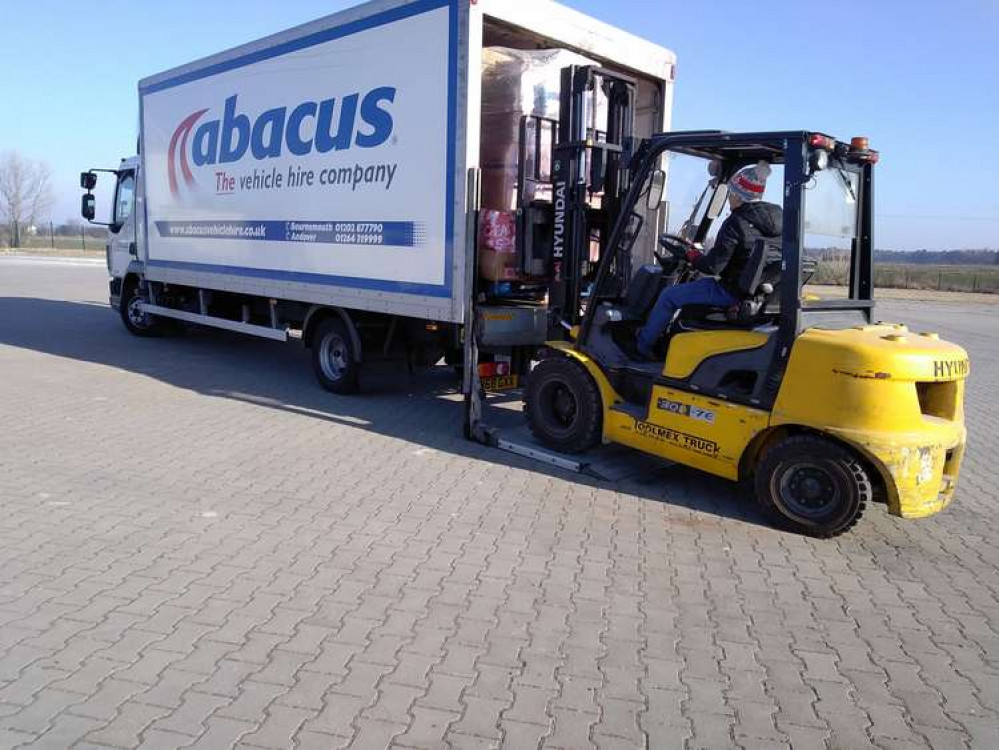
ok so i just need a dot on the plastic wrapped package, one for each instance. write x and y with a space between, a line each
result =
516 83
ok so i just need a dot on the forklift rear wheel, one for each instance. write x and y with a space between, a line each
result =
333 358
813 486
137 321
563 406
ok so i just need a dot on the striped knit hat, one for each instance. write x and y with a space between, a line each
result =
750 182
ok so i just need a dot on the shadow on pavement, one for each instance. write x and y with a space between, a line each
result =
426 408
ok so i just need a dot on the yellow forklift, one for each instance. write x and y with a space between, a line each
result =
822 408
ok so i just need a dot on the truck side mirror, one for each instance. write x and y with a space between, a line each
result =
88 180
657 187
88 206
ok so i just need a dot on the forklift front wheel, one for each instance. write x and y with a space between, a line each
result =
563 406
813 486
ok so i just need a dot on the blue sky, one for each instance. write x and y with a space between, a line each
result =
917 77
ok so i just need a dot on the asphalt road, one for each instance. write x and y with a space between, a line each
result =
199 547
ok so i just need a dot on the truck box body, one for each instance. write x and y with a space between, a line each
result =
330 163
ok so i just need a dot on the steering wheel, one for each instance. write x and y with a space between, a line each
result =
675 245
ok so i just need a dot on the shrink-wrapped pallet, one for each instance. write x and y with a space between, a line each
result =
515 83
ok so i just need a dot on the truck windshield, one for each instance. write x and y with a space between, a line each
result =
124 197
831 203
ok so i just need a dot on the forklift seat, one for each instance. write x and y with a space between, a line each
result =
755 288
763 267
643 291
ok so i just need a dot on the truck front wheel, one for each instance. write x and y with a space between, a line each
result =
136 320
813 486
334 359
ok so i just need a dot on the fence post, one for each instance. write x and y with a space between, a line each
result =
52 235
939 280
974 283
83 239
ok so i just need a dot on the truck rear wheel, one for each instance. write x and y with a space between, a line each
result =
334 359
138 322
813 486
563 406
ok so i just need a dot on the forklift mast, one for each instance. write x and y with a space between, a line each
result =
595 141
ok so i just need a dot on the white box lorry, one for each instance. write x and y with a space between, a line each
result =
322 183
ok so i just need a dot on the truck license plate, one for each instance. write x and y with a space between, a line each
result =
500 382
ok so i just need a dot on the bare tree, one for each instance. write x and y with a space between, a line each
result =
25 192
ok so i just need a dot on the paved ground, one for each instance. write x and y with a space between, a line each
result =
200 548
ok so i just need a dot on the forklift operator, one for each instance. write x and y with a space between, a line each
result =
751 218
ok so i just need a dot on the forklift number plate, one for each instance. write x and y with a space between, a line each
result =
500 382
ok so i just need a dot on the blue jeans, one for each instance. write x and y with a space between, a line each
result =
700 292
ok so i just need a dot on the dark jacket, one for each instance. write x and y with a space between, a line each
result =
746 224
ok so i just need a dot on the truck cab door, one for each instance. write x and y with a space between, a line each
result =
122 245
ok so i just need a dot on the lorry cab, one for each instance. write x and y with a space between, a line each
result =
125 246
123 228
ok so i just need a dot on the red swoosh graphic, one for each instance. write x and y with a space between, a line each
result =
180 134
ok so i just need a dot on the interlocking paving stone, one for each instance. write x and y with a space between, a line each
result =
200 548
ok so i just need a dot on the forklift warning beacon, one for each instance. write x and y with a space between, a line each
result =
495 184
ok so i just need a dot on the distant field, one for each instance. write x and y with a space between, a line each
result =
984 279
48 245
942 278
